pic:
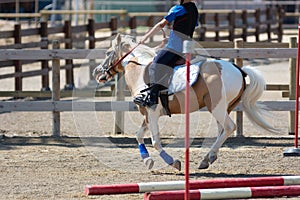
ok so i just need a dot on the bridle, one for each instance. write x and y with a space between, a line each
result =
107 71
119 61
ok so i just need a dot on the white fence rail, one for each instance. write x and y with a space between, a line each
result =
88 106
12 54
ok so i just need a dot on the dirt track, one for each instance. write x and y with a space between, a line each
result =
47 168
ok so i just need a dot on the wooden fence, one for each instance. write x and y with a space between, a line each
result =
66 34
233 24
70 36
56 105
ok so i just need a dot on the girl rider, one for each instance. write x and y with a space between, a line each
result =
185 18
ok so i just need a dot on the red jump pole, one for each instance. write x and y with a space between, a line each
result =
194 184
187 49
296 151
229 193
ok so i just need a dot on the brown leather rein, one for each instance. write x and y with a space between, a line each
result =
121 59
124 56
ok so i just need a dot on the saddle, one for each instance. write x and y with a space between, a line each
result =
178 83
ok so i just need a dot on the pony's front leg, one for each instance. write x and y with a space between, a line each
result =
156 142
149 162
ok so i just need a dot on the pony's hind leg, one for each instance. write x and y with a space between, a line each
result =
212 155
225 126
217 103
140 134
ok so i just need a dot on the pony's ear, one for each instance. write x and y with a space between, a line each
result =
116 40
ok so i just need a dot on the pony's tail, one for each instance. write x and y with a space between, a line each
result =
255 112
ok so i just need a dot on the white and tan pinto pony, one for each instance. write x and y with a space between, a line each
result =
220 86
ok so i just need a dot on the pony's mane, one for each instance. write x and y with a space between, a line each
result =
144 50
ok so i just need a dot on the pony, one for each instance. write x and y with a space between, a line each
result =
219 86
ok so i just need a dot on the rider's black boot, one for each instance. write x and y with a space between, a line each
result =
149 96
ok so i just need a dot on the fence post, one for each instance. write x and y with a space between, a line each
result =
245 25
113 25
280 22
69 63
36 10
257 24
269 22
45 63
292 85
217 24
18 63
239 114
55 92
119 115
231 22
132 26
92 45
17 6
150 24
119 86
202 27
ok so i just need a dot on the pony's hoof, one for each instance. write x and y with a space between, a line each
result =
213 158
149 162
177 165
203 165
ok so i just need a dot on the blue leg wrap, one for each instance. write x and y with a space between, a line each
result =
166 157
143 151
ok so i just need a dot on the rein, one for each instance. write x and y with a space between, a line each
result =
122 58
129 52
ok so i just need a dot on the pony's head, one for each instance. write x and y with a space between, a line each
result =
108 68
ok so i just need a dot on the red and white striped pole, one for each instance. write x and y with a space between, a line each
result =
229 193
187 49
296 151
147 187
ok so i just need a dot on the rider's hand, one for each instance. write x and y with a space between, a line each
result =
142 41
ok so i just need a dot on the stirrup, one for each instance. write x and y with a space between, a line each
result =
149 99
141 99
144 100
